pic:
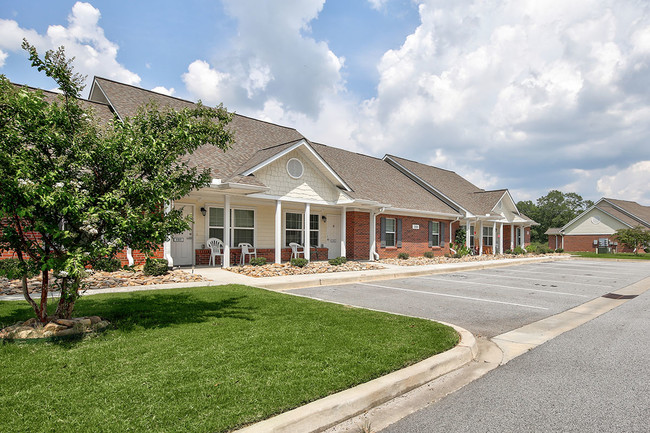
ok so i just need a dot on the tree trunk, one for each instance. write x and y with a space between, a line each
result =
44 290
67 300
29 298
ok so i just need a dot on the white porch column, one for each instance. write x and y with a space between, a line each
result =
343 232
512 237
167 245
480 235
467 233
373 236
278 231
501 239
307 227
494 238
523 236
562 241
226 232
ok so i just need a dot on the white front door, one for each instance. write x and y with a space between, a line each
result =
333 236
182 247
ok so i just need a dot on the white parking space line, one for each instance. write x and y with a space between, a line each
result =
546 280
551 292
583 270
453 296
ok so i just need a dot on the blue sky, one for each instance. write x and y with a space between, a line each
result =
525 95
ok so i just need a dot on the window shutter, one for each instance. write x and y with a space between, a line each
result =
441 227
398 233
382 231
430 234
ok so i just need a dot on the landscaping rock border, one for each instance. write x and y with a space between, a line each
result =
283 269
32 329
422 261
104 280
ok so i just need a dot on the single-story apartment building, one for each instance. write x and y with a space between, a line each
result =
274 186
594 229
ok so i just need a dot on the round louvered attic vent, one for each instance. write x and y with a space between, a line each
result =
295 168
595 219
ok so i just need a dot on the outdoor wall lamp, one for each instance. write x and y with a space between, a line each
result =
324 218
203 211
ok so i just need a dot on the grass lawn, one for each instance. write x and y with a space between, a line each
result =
642 256
200 360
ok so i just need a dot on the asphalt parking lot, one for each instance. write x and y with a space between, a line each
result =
490 302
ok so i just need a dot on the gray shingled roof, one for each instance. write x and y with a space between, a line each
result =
101 111
455 187
373 179
639 211
251 135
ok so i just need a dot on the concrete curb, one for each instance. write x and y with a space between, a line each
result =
336 408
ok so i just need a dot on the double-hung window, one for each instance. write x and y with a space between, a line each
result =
215 223
390 232
471 236
294 229
435 233
242 225
314 221
488 233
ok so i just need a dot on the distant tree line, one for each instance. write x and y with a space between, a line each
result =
555 209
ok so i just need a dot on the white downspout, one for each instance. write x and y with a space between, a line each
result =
451 223
374 255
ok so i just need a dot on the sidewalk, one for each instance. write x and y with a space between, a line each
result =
219 276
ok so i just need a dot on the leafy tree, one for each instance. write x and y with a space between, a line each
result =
555 209
74 191
635 238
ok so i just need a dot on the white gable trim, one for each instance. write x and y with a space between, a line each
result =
96 85
626 212
301 143
595 206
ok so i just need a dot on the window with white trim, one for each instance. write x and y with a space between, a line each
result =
471 236
294 229
215 223
242 225
390 232
488 233
435 233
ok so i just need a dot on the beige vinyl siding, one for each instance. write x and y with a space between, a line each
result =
585 226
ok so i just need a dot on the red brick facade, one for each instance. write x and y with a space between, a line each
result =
415 241
357 235
586 243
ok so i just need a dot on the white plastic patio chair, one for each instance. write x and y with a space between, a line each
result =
295 251
247 250
216 249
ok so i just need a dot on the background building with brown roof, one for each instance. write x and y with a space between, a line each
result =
594 229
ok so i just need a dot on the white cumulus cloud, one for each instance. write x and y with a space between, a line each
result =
164 90
630 183
83 39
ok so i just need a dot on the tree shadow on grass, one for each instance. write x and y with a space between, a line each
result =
150 310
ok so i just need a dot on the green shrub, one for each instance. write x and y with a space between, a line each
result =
543 249
403 256
508 251
428 254
518 250
258 261
338 261
130 268
155 267
559 250
13 270
299 262
107 264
